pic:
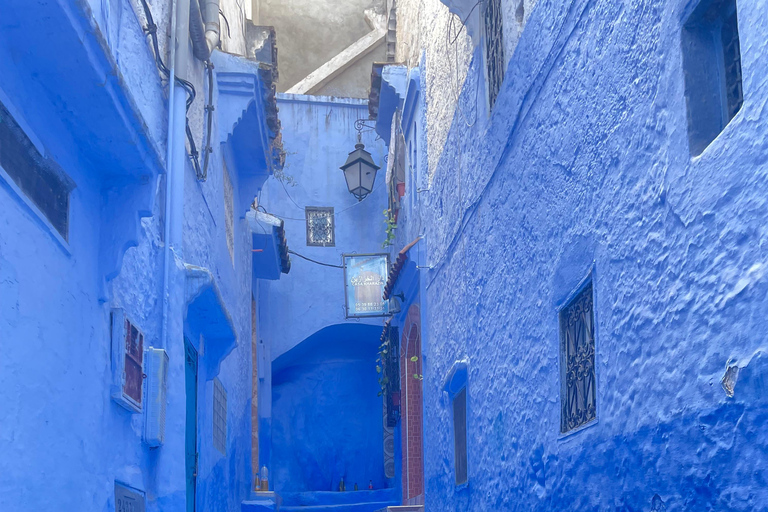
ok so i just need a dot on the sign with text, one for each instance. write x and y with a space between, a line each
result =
128 499
365 276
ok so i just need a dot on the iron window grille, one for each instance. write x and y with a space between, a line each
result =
460 436
320 226
38 177
494 49
577 362
219 417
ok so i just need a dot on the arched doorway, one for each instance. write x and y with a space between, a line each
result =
412 411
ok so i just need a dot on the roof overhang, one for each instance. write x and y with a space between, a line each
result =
388 86
248 122
397 267
270 248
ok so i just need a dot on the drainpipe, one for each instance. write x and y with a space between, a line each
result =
212 23
176 153
204 27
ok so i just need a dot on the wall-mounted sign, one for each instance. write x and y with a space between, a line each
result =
364 278
128 499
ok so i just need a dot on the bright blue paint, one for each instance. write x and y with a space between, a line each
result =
323 410
584 163
190 433
95 104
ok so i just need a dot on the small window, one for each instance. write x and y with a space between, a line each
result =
320 229
460 435
712 70
39 178
577 362
127 361
495 64
229 213
219 417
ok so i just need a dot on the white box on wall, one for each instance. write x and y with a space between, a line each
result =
156 364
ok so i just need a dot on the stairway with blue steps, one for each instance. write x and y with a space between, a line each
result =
349 501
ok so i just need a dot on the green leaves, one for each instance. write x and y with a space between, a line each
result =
389 219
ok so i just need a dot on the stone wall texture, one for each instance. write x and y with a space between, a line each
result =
583 167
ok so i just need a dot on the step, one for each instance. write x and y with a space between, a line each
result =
403 508
315 498
343 507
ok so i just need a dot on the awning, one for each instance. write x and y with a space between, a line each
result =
270 247
397 266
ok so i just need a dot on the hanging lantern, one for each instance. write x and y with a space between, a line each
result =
360 171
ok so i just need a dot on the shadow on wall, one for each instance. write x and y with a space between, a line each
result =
326 415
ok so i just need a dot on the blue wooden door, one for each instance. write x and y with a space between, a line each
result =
190 451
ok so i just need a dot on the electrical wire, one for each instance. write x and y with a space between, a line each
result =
464 21
221 13
375 188
189 88
452 42
314 261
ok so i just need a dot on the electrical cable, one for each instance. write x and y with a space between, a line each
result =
452 42
314 261
464 22
375 187
151 30
221 13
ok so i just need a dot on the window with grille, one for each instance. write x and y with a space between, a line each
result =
494 49
37 177
577 362
320 228
219 417
712 70
460 435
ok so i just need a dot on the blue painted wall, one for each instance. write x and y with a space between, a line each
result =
327 419
318 134
584 165
64 442
304 312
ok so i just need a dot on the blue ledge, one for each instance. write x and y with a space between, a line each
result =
82 111
247 124
206 314
391 96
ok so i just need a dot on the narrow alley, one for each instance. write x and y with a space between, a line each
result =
384 255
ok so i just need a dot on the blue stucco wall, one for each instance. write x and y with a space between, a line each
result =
327 420
584 166
64 442
318 134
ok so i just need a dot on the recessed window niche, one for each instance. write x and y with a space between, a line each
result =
712 70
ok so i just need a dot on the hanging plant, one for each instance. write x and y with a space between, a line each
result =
389 219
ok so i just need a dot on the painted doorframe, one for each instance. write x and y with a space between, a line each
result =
191 454
412 417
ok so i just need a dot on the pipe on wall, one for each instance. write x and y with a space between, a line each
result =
204 27
212 23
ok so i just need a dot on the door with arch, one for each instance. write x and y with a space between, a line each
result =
412 409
